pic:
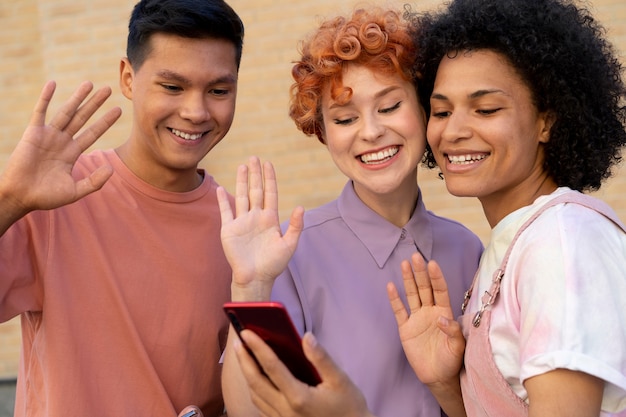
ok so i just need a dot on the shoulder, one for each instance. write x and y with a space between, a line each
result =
446 228
321 216
576 225
571 241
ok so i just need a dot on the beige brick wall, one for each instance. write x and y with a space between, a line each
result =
71 41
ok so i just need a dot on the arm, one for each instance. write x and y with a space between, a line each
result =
257 252
38 173
563 392
431 338
280 394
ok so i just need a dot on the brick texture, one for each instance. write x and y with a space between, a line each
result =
71 41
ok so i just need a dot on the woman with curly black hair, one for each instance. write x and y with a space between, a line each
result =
526 105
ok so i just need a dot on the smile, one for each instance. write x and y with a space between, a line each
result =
187 136
379 157
465 159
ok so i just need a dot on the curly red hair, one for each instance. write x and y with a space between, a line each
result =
377 38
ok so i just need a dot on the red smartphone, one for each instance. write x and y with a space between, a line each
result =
271 322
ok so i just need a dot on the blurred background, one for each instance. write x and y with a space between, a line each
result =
69 41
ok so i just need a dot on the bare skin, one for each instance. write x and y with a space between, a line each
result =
434 344
281 394
38 173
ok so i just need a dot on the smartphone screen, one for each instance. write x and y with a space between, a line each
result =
271 322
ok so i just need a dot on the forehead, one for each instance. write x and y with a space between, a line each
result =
362 80
203 53
469 71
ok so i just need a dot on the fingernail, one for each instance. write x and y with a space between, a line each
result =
310 339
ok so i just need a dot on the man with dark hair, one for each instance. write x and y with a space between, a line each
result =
120 290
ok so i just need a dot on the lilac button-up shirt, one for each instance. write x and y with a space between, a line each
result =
335 284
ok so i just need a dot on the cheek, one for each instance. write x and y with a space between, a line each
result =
224 112
433 136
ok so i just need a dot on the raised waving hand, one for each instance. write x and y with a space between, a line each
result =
432 340
38 173
254 245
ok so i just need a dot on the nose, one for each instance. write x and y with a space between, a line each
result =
456 127
371 128
195 107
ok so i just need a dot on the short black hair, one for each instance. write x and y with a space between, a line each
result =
560 52
186 18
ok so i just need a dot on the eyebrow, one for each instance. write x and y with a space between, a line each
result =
472 96
379 94
174 76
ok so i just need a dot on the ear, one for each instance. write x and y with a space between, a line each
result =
126 78
547 120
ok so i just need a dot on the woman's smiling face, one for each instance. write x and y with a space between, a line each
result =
377 138
486 133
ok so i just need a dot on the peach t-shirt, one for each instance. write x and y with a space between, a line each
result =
120 296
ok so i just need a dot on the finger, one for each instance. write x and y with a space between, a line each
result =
294 229
242 202
223 202
68 110
38 118
93 182
263 392
422 280
326 367
399 310
270 195
456 340
255 190
190 411
439 285
451 328
97 129
410 287
273 367
86 110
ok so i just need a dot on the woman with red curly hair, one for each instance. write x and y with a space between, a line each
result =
355 91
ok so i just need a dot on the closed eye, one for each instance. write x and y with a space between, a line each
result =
344 121
219 91
391 109
487 112
440 114
171 88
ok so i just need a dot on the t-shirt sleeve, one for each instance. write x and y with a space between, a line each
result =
572 296
23 249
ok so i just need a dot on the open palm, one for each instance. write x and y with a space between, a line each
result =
254 245
38 173
432 340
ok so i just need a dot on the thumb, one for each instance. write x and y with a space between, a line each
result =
321 360
190 411
452 329
294 229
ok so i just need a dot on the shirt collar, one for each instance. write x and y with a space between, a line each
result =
379 236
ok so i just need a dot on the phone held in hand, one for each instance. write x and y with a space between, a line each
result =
271 322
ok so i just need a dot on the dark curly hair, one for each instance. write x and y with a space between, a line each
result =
560 52
377 38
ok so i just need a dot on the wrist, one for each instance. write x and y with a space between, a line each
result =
252 291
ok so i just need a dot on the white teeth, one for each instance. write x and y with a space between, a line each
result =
465 159
378 157
186 136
